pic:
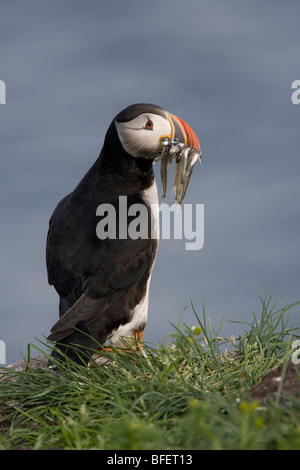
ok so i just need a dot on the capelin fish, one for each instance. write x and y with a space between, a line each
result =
166 162
176 147
184 186
192 159
179 173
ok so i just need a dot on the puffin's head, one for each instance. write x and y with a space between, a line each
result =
141 127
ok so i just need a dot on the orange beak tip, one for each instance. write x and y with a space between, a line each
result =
190 138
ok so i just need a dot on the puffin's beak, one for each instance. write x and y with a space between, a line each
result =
184 133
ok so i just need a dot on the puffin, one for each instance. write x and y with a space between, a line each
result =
103 283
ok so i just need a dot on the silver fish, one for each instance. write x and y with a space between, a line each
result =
184 186
166 162
192 159
176 147
179 172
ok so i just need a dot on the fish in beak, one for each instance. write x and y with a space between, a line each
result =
182 145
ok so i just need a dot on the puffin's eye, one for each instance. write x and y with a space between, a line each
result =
149 125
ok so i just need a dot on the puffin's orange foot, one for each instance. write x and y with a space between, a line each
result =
117 350
107 349
138 335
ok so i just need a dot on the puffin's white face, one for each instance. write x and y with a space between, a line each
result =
141 127
141 136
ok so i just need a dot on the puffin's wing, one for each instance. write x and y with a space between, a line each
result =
84 309
122 265
68 248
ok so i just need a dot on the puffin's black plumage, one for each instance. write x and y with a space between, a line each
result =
99 281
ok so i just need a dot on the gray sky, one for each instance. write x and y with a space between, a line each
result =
224 67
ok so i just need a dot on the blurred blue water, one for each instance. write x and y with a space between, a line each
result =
224 67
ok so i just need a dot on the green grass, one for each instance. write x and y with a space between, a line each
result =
190 394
